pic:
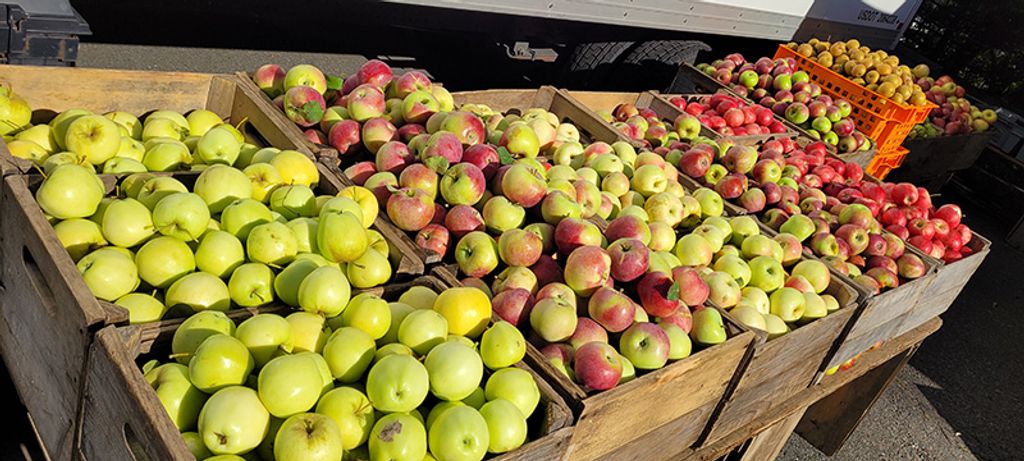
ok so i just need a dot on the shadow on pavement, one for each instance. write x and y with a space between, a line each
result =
975 358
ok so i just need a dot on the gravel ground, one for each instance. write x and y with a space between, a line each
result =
956 400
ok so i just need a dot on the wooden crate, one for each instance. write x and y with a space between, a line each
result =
51 315
935 156
592 128
51 90
949 280
782 367
881 316
658 415
122 418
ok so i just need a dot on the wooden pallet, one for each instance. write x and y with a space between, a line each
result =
782 367
51 90
122 417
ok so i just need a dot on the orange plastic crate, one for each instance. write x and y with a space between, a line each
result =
883 163
880 118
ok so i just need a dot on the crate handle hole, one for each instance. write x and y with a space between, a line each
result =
35 277
135 447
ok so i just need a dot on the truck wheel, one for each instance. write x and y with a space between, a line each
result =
590 63
653 64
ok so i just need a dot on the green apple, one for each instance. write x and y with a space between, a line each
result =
736 267
219 361
233 421
154 189
397 383
167 157
79 236
304 230
264 335
120 165
199 291
341 205
392 349
775 326
287 282
308 437
219 253
500 214
219 185
506 425
289 385
195 444
180 215
251 285
132 149
200 121
195 329
349 352
241 216
94 137
455 369
179 397
324 291
788 304
502 345
708 327
264 178
351 411
749 316
766 273
264 155
422 330
341 237
142 308
515 385
369 313
109 273
755 297
419 297
439 408
41 136
399 311
60 124
398 437
369 270
293 201
459 434
217 146
271 243
680 345
814 308
309 332
127 224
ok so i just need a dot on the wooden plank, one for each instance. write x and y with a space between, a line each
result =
661 443
768 444
829 422
869 361
123 419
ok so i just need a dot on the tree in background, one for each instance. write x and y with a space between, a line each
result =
980 44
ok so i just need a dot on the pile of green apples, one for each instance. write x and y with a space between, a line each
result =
235 238
119 143
763 281
425 376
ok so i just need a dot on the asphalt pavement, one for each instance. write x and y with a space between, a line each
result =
959 398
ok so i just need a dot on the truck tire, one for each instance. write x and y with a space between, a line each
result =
592 62
653 64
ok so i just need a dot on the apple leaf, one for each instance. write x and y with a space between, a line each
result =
505 156
437 163
673 292
334 82
312 111
150 365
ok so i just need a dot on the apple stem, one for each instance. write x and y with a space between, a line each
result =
179 354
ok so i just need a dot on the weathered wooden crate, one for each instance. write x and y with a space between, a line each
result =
949 280
122 418
559 102
782 367
932 157
51 90
657 415
881 316
48 315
